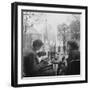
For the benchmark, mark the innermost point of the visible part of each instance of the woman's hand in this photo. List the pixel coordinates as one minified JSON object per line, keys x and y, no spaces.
{"x":55,"y":61}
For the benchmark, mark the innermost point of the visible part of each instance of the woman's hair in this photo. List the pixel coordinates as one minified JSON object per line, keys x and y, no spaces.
{"x":37,"y":44}
{"x":73,"y":45}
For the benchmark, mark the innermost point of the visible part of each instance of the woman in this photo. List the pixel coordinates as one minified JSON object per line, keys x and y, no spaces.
{"x":73,"y":59}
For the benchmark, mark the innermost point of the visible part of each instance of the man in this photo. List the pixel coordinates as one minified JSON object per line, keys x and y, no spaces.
{"x":32,"y":65}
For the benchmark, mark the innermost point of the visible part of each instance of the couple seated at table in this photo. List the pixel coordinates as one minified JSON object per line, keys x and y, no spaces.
{"x":35,"y":65}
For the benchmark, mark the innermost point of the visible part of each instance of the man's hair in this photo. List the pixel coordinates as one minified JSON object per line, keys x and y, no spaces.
{"x":37,"y":44}
{"x":73,"y":45}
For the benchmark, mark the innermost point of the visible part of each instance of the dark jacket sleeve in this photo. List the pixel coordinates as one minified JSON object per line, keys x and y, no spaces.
{"x":28,"y":64}
{"x":31,"y":65}
{"x":73,"y":68}
{"x":73,"y":55}
{"x":73,"y":63}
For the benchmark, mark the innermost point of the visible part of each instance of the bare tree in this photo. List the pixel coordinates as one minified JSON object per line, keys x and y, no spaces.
{"x":75,"y":28}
